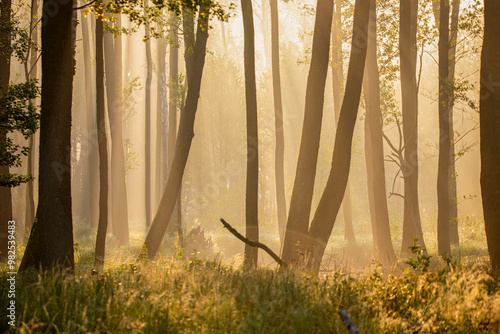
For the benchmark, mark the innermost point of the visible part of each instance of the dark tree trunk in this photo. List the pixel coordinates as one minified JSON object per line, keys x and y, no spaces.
{"x":147,"y":115}
{"x":489,"y":118}
{"x":383,"y":245}
{"x":300,"y":204}
{"x":51,"y":239}
{"x":443,"y":228}
{"x":279,"y":154}
{"x":119,"y":206}
{"x":412,"y":227}
{"x":5,"y":192}
{"x":252,"y":184}
{"x":338,"y":87}
{"x":100,"y":247}
{"x":182,"y":147}
{"x":331,"y":199}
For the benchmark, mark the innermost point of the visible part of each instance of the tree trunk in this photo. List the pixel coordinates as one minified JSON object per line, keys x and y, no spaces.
{"x":489,"y":121}
{"x":383,"y":246}
{"x":100,"y":247}
{"x":119,"y":207}
{"x":331,"y":199}
{"x":300,"y":204}
{"x":279,"y":153}
{"x":452,"y":183}
{"x":443,"y":228}
{"x":161,"y":118}
{"x":338,"y":86}
{"x":182,"y":147}
{"x":5,"y":192}
{"x":51,"y":239}
{"x":412,"y":227}
{"x":252,"y":184}
{"x":147,"y":115}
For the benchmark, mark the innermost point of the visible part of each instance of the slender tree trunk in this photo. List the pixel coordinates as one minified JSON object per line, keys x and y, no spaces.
{"x":51,"y":239}
{"x":300,"y":204}
{"x":5,"y":192}
{"x":331,"y":199}
{"x":489,"y":121}
{"x":383,"y":246}
{"x":100,"y":247}
{"x":223,"y":32}
{"x":454,"y":238}
{"x":443,"y":230}
{"x":183,"y":145}
{"x":338,"y":87}
{"x":147,"y":115}
{"x":252,"y":185}
{"x":279,"y":157}
{"x":412,"y":227}
{"x":161,"y":117}
{"x":32,"y":74}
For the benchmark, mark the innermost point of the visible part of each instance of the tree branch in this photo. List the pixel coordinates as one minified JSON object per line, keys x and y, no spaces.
{"x":347,"y":321}
{"x":254,"y":244}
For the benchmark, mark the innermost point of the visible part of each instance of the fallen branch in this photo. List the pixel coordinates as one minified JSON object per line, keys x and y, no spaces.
{"x":254,"y":243}
{"x":347,"y":322}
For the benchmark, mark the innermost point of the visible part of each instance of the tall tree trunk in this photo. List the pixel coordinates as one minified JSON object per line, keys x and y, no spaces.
{"x":5,"y":192}
{"x":147,"y":115}
{"x":331,"y":199}
{"x":100,"y":247}
{"x":182,"y":147}
{"x":452,"y":183}
{"x":279,"y":153}
{"x":300,"y":204}
{"x":119,"y":207}
{"x":412,"y":227}
{"x":489,"y":122}
{"x":443,"y":228}
{"x":338,"y":87}
{"x":51,"y":239}
{"x":383,"y":245}
{"x":161,"y":117}
{"x":32,"y":74}
{"x":91,"y":188}
{"x":252,"y":185}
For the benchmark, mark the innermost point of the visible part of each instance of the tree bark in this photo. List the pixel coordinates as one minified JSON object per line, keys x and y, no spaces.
{"x":383,"y":245}
{"x":331,"y":199}
{"x":443,"y":228}
{"x":51,"y":239}
{"x":300,"y":204}
{"x":338,"y":87}
{"x":147,"y":115}
{"x":5,"y":192}
{"x":119,"y":206}
{"x":183,"y":145}
{"x":412,"y":227}
{"x":100,"y":247}
{"x":489,"y":121}
{"x":252,"y":183}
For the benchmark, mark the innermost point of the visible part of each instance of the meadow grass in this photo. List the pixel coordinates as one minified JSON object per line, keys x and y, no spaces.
{"x":194,"y":295}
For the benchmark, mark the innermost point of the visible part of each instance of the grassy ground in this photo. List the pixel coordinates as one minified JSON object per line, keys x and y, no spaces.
{"x":191,"y":295}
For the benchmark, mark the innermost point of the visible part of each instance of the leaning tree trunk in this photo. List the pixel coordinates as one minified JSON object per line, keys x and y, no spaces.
{"x":100,"y":247}
{"x":331,"y":199}
{"x":383,"y":244}
{"x":5,"y":192}
{"x":252,"y":184}
{"x":412,"y":227}
{"x":303,"y":188}
{"x":338,"y":87}
{"x":119,"y":206}
{"x":443,"y":198}
{"x":279,"y":154}
{"x":51,"y":239}
{"x":183,"y":145}
{"x":489,"y":122}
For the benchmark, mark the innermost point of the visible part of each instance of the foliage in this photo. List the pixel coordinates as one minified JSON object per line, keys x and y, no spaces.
{"x":17,"y":113}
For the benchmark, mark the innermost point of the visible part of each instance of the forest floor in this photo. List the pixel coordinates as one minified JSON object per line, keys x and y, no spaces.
{"x":178,"y":293}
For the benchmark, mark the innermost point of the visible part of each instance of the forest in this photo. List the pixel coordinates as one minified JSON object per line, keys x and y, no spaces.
{"x":266,"y":166}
